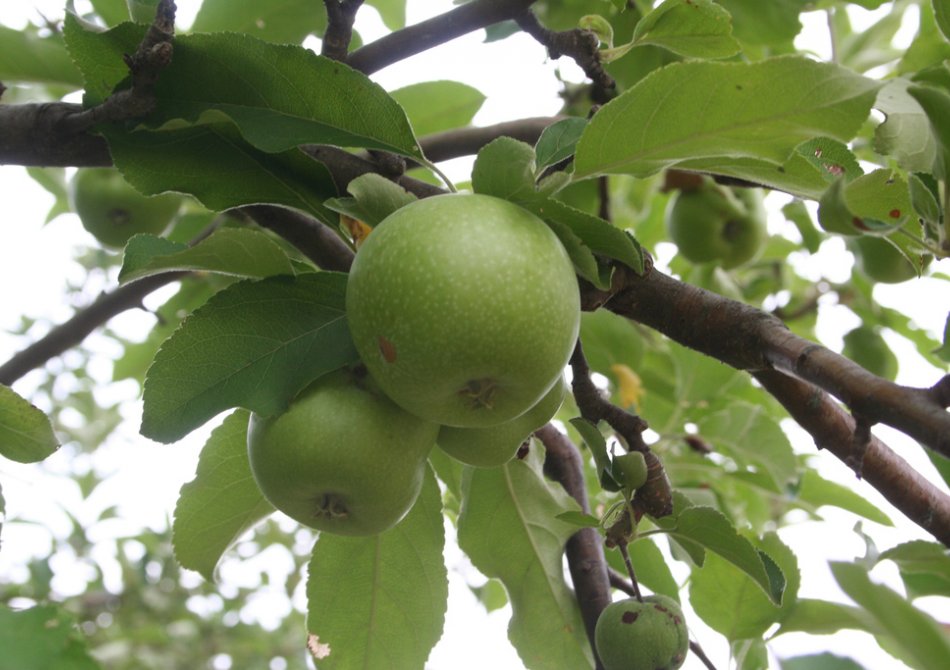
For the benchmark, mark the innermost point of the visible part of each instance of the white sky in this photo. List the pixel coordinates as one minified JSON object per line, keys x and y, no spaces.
{"x":34,"y":259}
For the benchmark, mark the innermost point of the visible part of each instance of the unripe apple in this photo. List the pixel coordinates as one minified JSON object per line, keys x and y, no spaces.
{"x":464,"y":308}
{"x":496,"y":445}
{"x":713,"y":223}
{"x":648,"y":635}
{"x":113,"y":211}
{"x":343,"y":458}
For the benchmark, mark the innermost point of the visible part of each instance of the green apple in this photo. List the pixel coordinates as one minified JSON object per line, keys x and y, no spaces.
{"x":343,"y":458}
{"x":496,"y":445}
{"x":881,"y":261}
{"x":648,"y":635}
{"x":713,"y":223}
{"x":113,"y":211}
{"x":464,"y":308}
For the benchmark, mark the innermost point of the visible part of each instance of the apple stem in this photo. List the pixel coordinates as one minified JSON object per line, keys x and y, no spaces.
{"x":633,"y":575}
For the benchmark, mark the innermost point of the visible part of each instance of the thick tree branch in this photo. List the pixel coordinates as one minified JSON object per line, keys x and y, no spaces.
{"x":42,"y":135}
{"x":584,"y":550}
{"x":340,"y":17}
{"x":749,"y":339}
{"x":833,"y":429}
{"x":423,"y":36}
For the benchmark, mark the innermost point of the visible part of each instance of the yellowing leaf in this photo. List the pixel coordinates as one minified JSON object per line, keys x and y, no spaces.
{"x":358,"y":230}
{"x":631,"y":387}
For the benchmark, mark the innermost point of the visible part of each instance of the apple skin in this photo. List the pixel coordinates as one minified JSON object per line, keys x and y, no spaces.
{"x":651,"y":635}
{"x":113,"y":211}
{"x":343,"y":458}
{"x":496,"y":445}
{"x":714,"y":224}
{"x":882,"y":262}
{"x":464,"y":308}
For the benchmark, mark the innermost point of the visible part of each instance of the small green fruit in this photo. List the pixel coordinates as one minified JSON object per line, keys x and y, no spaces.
{"x":464,"y":308}
{"x":881,"y":261}
{"x":713,"y":223}
{"x":632,"y":470}
{"x":496,"y":445}
{"x":648,"y":635}
{"x":113,"y":211}
{"x":343,"y":458}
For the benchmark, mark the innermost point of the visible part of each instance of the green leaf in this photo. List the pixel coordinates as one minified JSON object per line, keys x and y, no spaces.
{"x":379,"y":601}
{"x":99,"y":55}
{"x":768,"y":23}
{"x":912,"y":636}
{"x":822,"y":617}
{"x":434,"y":106}
{"x":505,"y":168}
{"x":112,"y":11}
{"x":924,"y":566}
{"x":516,"y":503}
{"x":26,"y":435}
{"x":905,"y":133}
{"x":653,"y":571}
{"x":231,"y":251}
{"x":255,"y":345}
{"x":279,"y":96}
{"x":221,"y":503}
{"x":748,"y":434}
{"x":598,"y":448}
{"x":831,"y":159}
{"x":27,"y":57}
{"x":936,"y":104}
{"x":796,"y":212}
{"x":138,"y":355}
{"x":942,"y":14}
{"x":710,"y":529}
{"x":44,"y":636}
{"x":881,"y":198}
{"x":374,"y":198}
{"x":558,"y":141}
{"x":815,"y":491}
{"x":731,"y":603}
{"x":287,"y":21}
{"x":823,"y":661}
{"x":219,"y":169}
{"x":601,"y":236}
{"x":717,"y":114}
{"x":691,"y":28}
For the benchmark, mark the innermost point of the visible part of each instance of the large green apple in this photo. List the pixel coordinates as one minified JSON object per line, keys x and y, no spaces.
{"x":113,"y":211}
{"x":648,"y":635}
{"x":496,"y":445}
{"x":343,"y":458}
{"x":715,"y":223}
{"x":465,"y":308}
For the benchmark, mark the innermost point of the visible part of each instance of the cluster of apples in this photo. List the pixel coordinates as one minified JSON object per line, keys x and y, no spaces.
{"x":464,"y":310}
